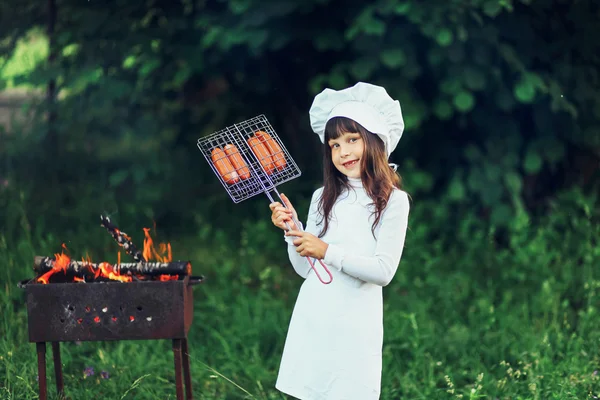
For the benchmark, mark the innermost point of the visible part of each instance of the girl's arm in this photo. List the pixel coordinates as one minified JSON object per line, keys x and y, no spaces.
{"x":380,"y":268}
{"x":300,"y":263}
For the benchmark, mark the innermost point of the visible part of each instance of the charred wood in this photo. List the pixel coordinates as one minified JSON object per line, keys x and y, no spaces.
{"x":122,"y":239}
{"x":41,"y":265}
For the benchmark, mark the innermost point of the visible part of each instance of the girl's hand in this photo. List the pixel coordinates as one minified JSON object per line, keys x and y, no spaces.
{"x":280,"y":214}
{"x":308,"y":245}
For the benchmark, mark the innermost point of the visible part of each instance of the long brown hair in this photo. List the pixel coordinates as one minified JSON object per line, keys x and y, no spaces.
{"x":378,"y":178}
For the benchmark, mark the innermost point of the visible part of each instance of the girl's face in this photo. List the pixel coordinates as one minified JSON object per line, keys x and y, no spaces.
{"x":346,"y":153}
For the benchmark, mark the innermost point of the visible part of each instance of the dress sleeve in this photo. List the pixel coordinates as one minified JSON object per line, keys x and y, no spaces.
{"x":380,"y":268}
{"x":300,"y":264}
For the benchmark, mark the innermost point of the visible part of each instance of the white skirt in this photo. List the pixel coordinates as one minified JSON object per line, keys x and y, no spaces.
{"x":333,"y":346}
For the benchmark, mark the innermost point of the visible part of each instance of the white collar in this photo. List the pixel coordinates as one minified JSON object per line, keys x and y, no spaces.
{"x":355,"y":182}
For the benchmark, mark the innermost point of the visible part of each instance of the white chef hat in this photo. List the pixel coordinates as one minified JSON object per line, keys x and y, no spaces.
{"x":367,"y":104}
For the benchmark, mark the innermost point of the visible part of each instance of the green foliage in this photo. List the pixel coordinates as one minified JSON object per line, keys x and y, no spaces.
{"x":137,"y":91}
{"x":472,"y":312}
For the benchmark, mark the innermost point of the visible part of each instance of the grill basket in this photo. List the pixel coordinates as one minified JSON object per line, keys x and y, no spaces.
{"x":259,"y":181}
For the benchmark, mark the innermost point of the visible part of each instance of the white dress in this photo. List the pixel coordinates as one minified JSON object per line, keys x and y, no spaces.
{"x":333,"y":349}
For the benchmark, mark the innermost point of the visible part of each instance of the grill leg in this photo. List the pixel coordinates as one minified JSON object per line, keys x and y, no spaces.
{"x":41,"y":355}
{"x":177,"y":358}
{"x":186,"y":370}
{"x":60,"y":389}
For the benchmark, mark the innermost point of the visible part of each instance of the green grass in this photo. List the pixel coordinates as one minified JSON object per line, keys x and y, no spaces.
{"x":464,"y":319}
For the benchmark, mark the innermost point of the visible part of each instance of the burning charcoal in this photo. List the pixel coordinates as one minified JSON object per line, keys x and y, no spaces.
{"x":122,"y":272}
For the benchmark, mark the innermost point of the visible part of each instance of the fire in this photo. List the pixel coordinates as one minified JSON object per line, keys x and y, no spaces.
{"x":107,"y":271}
{"x":112,"y":271}
{"x":150,"y":253}
{"x":61,"y":263}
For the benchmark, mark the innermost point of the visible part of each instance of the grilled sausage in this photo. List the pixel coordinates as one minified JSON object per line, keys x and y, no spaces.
{"x":263,"y":155}
{"x":274,"y":149}
{"x":223,"y":166}
{"x":237,"y":161}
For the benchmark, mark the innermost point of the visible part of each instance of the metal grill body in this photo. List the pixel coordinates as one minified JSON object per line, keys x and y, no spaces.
{"x":109,"y":311}
{"x":64,"y":312}
{"x":259,"y":181}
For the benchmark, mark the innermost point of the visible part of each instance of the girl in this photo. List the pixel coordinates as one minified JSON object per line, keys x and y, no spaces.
{"x":356,"y":225}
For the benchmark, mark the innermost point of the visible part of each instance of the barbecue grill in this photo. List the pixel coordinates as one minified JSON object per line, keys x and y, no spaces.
{"x":71,"y":302}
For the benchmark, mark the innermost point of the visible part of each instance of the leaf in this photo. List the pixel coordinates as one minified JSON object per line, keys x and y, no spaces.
{"x":501,"y":215}
{"x":182,"y":75}
{"x":366,"y":22}
{"x":533,"y":162}
{"x":491,"y":193}
{"x":492,"y":8}
{"x":363,"y":68}
{"x":524,"y":91}
{"x":375,"y":27}
{"x":69,"y":50}
{"x":149,"y":66}
{"x":316,"y":84}
{"x":211,"y":36}
{"x":476,"y":179}
{"x":239,"y":6}
{"x":456,"y":190}
{"x":118,"y":177}
{"x":450,"y":86}
{"x":403,"y":8}
{"x":444,"y":37}
{"x":337,"y":80}
{"x":464,"y":101}
{"x":393,"y":58}
{"x":493,"y":172}
{"x":513,"y":182}
{"x":129,"y":62}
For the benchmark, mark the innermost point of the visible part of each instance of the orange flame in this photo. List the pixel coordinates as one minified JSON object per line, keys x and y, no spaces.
{"x":107,"y":270}
{"x":61,"y":262}
{"x":150,"y":253}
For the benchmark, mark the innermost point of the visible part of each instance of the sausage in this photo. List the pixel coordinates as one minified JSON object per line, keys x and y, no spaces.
{"x":237,"y":161}
{"x":274,"y":149}
{"x":263,"y":155}
{"x":223,"y":166}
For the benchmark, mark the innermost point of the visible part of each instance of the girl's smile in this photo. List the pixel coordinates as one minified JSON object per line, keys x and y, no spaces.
{"x":346,"y":153}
